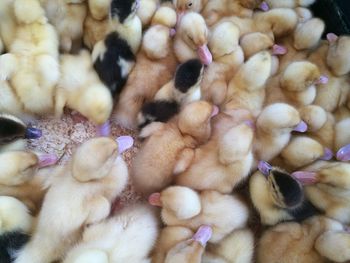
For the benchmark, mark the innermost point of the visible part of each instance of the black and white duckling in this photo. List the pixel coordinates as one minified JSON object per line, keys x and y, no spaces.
{"x":114,"y":57}
{"x":183,"y":89}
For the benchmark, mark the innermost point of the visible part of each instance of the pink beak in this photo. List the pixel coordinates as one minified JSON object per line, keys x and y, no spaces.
{"x":304,"y":177}
{"x":124,"y":143}
{"x":179,"y":14}
{"x":215,"y":111}
{"x":301,"y":127}
{"x":279,"y":50}
{"x":104,"y":129}
{"x":204,"y":55}
{"x":47,"y":160}
{"x":203,"y":235}
{"x":331,"y":37}
{"x":154,"y":199}
{"x":322,"y":80}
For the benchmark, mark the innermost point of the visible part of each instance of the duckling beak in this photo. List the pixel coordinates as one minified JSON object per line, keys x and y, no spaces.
{"x":104,"y":129}
{"x":301,"y":127}
{"x":124,"y":143}
{"x":305,"y":177}
{"x":332,"y":38}
{"x":179,"y":15}
{"x":215,"y":111}
{"x":264,"y":168}
{"x":32,"y":133}
{"x":343,"y":153}
{"x":47,"y":159}
{"x":322,"y":80}
{"x":154,"y":199}
{"x":264,"y":6}
{"x":328,"y":155}
{"x":204,"y":55}
{"x":279,"y":50}
{"x":203,"y":235}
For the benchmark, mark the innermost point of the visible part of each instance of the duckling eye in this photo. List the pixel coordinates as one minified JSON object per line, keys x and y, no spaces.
{"x":189,"y":5}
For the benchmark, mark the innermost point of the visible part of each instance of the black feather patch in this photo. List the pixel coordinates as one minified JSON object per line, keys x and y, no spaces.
{"x":159,"y":110}
{"x":304,"y":211}
{"x":10,"y":243}
{"x":107,"y":68}
{"x":10,"y":130}
{"x":187,"y":74}
{"x":290,"y":189}
{"x":121,"y":9}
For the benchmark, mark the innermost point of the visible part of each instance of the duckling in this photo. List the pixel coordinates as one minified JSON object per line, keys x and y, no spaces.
{"x":213,"y":205}
{"x":245,"y":91}
{"x":334,"y":245}
{"x":94,"y":30}
{"x":168,"y":238}
{"x":169,"y":99}
{"x":160,"y":62}
{"x":277,"y":196}
{"x":214,"y":10}
{"x":14,"y":132}
{"x":32,"y":65}
{"x":274,"y":126}
{"x":236,"y":247}
{"x":21,"y":178}
{"x":183,"y":7}
{"x":329,"y":57}
{"x":114,"y":57}
{"x":342,"y":139}
{"x":327,"y":187}
{"x":99,"y":8}
{"x":80,"y":193}
{"x":227,"y":58}
{"x":146,"y":11}
{"x":68,"y":19}
{"x":8,"y":24}
{"x":16,"y":225}
{"x":166,"y":16}
{"x":136,"y":223}
{"x":302,"y":151}
{"x":153,"y":166}
{"x":223,"y":162}
{"x":81,"y":89}
{"x":191,"y":39}
{"x":294,"y":242}
{"x":191,"y":250}
{"x":289,"y":3}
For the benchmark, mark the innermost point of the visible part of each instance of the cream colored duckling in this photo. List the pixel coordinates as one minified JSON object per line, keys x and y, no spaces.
{"x":223,"y":162}
{"x":289,"y":3}
{"x":273,"y":130}
{"x":168,"y":238}
{"x":32,"y":65}
{"x":334,"y":245}
{"x":80,"y":193}
{"x":16,"y":225}
{"x":111,"y":239}
{"x":146,"y":11}
{"x":156,"y":62}
{"x":215,"y":10}
{"x":246,"y":90}
{"x":68,"y":19}
{"x":237,"y":247}
{"x":191,"y":250}
{"x":213,"y":205}
{"x":302,"y":151}
{"x":191,"y":39}
{"x":21,"y":178}
{"x":277,"y":196}
{"x":8,"y":24}
{"x":327,"y":187}
{"x":153,"y":166}
{"x":342,"y":139}
{"x":294,"y":242}
{"x":330,"y":58}
{"x":80,"y":89}
{"x":227,"y":57}
{"x":166,"y":16}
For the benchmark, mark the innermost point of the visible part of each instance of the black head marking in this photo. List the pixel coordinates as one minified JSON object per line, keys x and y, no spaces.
{"x":304,"y":211}
{"x":10,"y":130}
{"x":107,"y":68}
{"x":159,"y":110}
{"x":121,"y":9}
{"x":290,"y":189}
{"x":10,"y":243}
{"x":187,"y":74}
